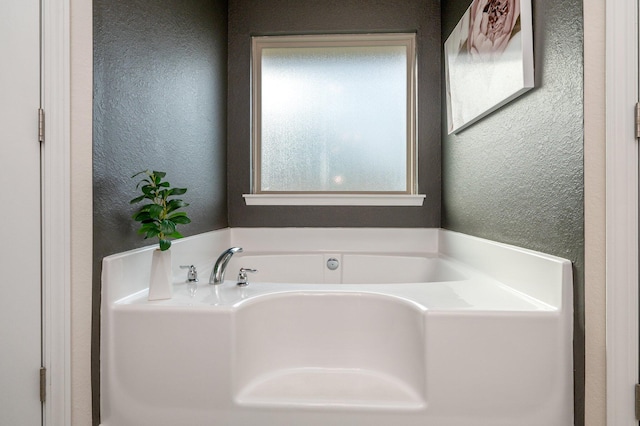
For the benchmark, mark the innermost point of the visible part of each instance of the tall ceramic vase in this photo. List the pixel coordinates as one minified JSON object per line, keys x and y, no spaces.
{"x":160,"y":285}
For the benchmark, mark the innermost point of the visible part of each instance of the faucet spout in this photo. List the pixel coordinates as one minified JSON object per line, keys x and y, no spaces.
{"x":217,"y":275}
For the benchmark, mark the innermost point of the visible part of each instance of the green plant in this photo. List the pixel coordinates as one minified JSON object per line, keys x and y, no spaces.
{"x":159,"y":218}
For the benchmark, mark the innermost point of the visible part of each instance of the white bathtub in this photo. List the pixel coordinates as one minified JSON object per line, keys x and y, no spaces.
{"x":414,"y":327}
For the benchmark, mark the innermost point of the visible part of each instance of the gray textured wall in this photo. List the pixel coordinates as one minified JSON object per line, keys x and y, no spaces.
{"x":160,"y":93}
{"x":517,"y":175}
{"x":259,"y":17}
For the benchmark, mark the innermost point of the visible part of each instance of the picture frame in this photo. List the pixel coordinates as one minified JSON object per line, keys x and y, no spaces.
{"x":488,"y":60}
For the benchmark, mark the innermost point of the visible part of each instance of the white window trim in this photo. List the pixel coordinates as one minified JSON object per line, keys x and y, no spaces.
{"x":408,"y":198}
{"x":333,"y":200}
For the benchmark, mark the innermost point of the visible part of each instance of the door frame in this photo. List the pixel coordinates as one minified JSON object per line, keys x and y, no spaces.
{"x":56,"y":207}
{"x":621,"y":210}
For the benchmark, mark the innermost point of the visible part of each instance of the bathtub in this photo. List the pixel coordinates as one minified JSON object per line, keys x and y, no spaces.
{"x":407,"y":327}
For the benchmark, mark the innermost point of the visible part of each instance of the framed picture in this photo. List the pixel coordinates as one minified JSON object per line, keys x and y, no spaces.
{"x":488,"y":60}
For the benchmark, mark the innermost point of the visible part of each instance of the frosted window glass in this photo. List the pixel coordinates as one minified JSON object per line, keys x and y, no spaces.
{"x":334,"y":119}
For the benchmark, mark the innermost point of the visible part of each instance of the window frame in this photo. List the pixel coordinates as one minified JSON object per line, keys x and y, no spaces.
{"x":258,"y":43}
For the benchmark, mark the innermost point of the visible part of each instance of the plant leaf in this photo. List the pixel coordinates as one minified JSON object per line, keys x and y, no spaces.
{"x":175,"y":205}
{"x":139,"y":173}
{"x":176,"y":214}
{"x":182,"y":220}
{"x":167,"y":227}
{"x":153,"y":232}
{"x":144,"y":208}
{"x":141,"y":216}
{"x":148,"y":190}
{"x":175,"y":235}
{"x":164,"y":245}
{"x":155,"y":210}
{"x":137,"y":199}
{"x":177,"y":191}
{"x":157,"y":177}
{"x":143,"y":181}
{"x":146,"y":226}
{"x":163,"y":193}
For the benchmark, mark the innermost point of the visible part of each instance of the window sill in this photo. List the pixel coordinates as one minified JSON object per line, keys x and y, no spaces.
{"x":333,"y":200}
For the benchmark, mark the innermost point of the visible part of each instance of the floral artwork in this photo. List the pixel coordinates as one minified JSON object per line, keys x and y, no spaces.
{"x":488,"y":60}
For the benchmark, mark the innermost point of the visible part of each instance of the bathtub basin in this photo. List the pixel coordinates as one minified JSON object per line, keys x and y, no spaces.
{"x":369,"y":352}
{"x":438,"y":328}
{"x":353,"y":268}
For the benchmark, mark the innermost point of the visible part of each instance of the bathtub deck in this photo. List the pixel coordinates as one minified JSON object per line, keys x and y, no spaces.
{"x":468,"y":295}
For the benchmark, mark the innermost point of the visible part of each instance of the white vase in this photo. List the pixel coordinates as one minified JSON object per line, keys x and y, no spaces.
{"x":160,"y":284}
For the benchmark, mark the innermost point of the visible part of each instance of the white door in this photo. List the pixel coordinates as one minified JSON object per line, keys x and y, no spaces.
{"x":20,"y":248}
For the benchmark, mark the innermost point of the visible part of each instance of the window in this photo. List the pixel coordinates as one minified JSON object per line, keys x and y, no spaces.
{"x":334,"y":116}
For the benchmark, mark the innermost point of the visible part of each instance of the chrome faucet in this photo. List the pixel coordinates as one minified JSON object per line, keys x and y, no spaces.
{"x":217,"y":275}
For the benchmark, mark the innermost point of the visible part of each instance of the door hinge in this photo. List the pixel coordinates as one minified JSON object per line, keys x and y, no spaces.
{"x":43,"y":384}
{"x":638,"y":402}
{"x":637,"y":130}
{"x":40,"y":125}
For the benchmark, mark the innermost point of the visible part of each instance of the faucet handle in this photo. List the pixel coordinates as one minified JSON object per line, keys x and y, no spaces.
{"x":192,"y":273}
{"x":242,"y":276}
